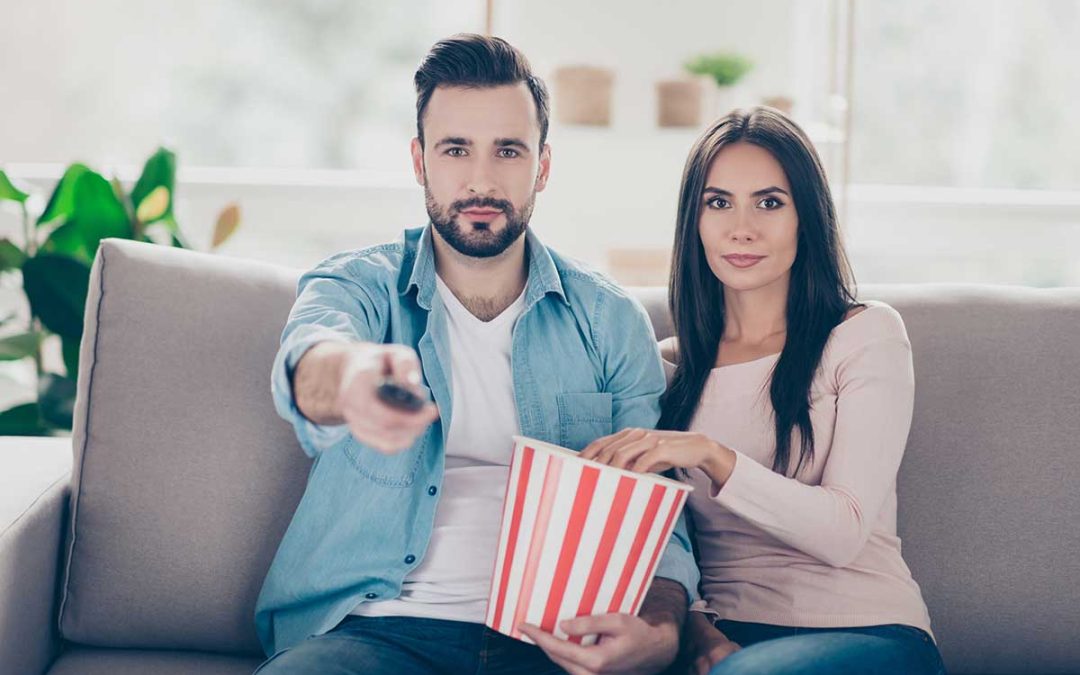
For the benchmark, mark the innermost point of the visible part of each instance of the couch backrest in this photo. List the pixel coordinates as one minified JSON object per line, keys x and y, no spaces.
{"x":989,"y":508}
{"x":185,"y":478}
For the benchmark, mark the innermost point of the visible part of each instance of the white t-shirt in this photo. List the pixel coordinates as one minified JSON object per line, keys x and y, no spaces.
{"x":453,"y":580}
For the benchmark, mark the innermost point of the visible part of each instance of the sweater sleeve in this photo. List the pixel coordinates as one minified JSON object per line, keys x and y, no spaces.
{"x":832,"y":521}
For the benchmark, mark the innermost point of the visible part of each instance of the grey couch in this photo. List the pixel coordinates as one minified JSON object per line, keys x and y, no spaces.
{"x":143,"y":550}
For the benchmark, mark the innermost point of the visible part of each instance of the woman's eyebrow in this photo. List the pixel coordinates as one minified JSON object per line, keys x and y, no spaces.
{"x":759,"y":193}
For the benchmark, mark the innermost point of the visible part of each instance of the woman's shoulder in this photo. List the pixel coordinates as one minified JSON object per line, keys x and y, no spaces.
{"x":870,"y":322}
{"x":669,"y":350}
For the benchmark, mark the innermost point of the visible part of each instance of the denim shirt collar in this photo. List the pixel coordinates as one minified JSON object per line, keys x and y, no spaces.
{"x":543,"y":276}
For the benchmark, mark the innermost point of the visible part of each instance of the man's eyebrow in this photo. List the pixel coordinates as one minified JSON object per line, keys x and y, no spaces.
{"x":759,"y":193}
{"x":454,"y":140}
{"x":512,"y":143}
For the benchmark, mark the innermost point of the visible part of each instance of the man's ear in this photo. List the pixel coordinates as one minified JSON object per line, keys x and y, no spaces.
{"x":418,"y":161}
{"x":545,"y":167}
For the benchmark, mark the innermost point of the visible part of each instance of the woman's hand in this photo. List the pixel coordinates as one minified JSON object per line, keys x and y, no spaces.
{"x":649,"y":450}
{"x":706,"y":645}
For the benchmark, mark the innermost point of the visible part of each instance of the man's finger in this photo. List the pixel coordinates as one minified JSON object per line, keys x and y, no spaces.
{"x":403,"y":366}
{"x":701,"y":665}
{"x":600,"y":624}
{"x":573,"y":654}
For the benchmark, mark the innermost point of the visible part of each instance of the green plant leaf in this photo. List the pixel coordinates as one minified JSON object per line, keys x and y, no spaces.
{"x":723,"y":67}
{"x":70,"y":349}
{"x":11,"y":256}
{"x":159,"y":171}
{"x":56,"y":286}
{"x":95,"y":214}
{"x":56,"y":399}
{"x":62,"y":201}
{"x":20,"y":345}
{"x":23,"y":420}
{"x":9,"y":192}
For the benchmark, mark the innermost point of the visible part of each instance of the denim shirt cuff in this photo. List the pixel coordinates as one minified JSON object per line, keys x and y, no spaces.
{"x":314,"y":438}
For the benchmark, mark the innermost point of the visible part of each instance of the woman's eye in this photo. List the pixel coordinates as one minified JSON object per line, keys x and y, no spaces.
{"x":771,"y":203}
{"x":718,"y":203}
{"x":508,"y":153}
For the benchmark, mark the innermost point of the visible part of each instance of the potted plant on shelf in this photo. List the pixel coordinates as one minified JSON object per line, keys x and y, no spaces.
{"x":54,"y":260}
{"x":725,"y":70}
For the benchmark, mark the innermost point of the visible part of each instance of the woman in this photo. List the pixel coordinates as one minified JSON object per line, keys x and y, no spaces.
{"x":788,"y":410}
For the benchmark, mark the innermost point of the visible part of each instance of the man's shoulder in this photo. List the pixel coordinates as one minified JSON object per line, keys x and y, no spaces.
{"x":581,"y":278}
{"x":590,"y":288}
{"x":381,"y":262}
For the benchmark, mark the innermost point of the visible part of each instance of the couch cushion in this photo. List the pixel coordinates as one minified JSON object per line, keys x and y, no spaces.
{"x":185,"y":478}
{"x":93,"y":661}
{"x":988,"y":504}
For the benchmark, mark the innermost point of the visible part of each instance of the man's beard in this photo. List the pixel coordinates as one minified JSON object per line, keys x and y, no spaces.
{"x":482,"y":241}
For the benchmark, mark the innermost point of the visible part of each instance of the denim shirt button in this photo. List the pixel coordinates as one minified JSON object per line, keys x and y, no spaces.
{"x":410,"y":559}
{"x":371,"y":596}
{"x":432,"y":490}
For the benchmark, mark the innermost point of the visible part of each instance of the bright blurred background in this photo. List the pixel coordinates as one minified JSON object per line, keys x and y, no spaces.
{"x":949,"y":129}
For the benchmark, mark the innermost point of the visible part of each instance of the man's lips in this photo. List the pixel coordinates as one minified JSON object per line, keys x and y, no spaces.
{"x":477,"y":216}
{"x":742,"y":260}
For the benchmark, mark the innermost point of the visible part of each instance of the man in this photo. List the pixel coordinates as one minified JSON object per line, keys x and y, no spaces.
{"x":387,"y":563}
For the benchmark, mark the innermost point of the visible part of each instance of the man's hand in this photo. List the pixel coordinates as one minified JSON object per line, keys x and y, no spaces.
{"x":371,"y":421}
{"x":627,"y":644}
{"x":705,"y":644}
{"x":335,"y":383}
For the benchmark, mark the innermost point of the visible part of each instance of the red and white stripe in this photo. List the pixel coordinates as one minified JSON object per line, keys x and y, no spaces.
{"x":577,"y":539}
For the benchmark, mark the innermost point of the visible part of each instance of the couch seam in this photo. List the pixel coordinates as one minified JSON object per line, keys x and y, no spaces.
{"x":30,"y":507}
{"x":77,"y":492}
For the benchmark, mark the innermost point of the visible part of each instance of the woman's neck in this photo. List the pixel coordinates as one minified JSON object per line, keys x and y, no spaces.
{"x":755,"y":316}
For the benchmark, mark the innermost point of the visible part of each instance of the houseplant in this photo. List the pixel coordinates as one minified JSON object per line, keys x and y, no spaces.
{"x":725,"y":70}
{"x":54,"y":259}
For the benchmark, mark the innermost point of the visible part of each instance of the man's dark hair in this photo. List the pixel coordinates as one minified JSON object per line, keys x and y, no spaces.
{"x":470,"y":60}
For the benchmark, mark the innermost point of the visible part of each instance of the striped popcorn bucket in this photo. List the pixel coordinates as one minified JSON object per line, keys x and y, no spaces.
{"x":578,"y":538}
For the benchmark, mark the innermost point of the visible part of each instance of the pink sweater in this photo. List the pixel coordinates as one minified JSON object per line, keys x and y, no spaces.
{"x":819,"y":550}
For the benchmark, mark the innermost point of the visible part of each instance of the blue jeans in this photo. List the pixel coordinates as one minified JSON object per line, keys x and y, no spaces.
{"x":782,"y":650}
{"x":406,"y":646}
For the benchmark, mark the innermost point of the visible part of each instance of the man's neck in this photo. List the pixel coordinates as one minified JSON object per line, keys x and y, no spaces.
{"x":485,"y":286}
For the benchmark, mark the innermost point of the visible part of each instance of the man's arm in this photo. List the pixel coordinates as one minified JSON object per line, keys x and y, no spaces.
{"x":636,"y":380}
{"x":326,"y":369}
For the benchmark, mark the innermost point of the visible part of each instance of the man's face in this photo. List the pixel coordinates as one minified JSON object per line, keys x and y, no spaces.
{"x":481,"y":165}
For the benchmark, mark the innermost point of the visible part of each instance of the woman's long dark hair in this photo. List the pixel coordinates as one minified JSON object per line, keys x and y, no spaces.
{"x":820,"y":294}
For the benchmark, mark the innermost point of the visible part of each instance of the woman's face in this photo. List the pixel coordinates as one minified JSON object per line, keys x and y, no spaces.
{"x":748,"y":222}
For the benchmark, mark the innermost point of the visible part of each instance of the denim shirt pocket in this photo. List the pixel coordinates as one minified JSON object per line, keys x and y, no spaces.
{"x":389,"y":470}
{"x":583,"y":418}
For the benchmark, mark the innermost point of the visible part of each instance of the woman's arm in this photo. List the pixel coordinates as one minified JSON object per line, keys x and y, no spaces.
{"x":832,"y":521}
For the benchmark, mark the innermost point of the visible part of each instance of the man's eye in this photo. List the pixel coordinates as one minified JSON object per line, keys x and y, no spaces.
{"x":456,"y":152}
{"x":771,"y":203}
{"x":508,"y":153}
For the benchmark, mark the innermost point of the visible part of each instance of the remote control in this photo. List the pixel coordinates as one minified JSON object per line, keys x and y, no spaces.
{"x":396,"y":396}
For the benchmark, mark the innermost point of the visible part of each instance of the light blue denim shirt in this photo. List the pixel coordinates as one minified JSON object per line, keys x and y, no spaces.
{"x":585,"y":364}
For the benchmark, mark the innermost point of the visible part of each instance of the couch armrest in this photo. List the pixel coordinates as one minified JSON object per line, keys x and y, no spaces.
{"x":35,"y":478}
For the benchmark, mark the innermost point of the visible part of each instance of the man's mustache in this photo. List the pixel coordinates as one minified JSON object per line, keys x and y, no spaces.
{"x":482,"y":203}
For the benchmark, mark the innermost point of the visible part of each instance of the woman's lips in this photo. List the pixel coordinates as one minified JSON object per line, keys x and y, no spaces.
{"x":743,"y":261}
